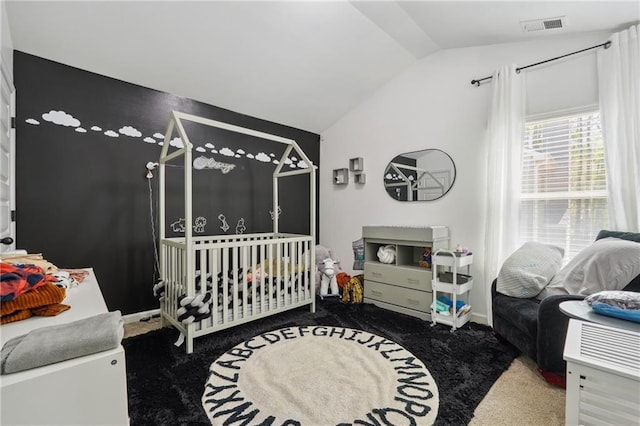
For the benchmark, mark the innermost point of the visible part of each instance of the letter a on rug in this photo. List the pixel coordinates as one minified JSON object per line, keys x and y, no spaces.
{"x":320,"y":375}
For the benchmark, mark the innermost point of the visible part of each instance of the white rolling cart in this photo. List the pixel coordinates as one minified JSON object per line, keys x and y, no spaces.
{"x":449,"y":281}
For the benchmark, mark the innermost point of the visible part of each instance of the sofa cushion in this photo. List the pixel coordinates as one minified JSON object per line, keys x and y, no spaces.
{"x":529,"y":269}
{"x":607,"y":264}
{"x":520,"y":313}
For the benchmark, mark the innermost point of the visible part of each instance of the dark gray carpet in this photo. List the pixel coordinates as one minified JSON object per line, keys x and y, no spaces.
{"x":165,"y":384}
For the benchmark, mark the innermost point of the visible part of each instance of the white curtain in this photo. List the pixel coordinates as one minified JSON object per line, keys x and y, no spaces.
{"x":619,"y":90}
{"x":504,"y":145}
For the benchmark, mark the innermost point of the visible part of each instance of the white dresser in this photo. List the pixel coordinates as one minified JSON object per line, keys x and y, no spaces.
{"x":90,"y":390}
{"x":402,"y":285}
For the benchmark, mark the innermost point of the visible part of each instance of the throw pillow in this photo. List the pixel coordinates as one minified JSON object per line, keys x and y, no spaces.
{"x":529,"y":269}
{"x":607,"y":264}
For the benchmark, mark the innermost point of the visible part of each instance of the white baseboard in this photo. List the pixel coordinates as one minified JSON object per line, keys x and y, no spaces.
{"x":479,"y":318}
{"x":135,"y":317}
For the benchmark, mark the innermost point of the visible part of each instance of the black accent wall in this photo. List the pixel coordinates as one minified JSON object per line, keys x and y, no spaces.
{"x":82,"y":196}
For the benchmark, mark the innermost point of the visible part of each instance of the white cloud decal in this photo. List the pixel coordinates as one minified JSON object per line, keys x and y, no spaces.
{"x":201,"y":149}
{"x":130,"y":131}
{"x":209,"y":145}
{"x":240,"y":151}
{"x":161,"y":143}
{"x":287,"y":161}
{"x":158,"y":135}
{"x":177,"y":142}
{"x":61,"y":118}
{"x":96,"y":128}
{"x":81,"y":130}
{"x":32,"y":121}
{"x":263,"y":157}
{"x":111,"y":134}
{"x":227,"y":152}
{"x":250,"y":156}
{"x":275,"y":162}
{"x":272,"y":154}
{"x":214,"y":151}
{"x":303,"y":165}
{"x":149,"y":140}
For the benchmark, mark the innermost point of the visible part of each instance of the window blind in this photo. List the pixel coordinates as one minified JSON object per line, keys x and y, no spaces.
{"x":563,"y":194}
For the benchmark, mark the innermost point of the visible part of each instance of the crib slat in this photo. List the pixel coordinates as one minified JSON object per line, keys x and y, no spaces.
{"x":213,"y":259}
{"x":234,"y":281}
{"x":225,"y":288}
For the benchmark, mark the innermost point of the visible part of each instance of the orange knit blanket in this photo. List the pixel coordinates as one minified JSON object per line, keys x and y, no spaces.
{"x":43,"y":301}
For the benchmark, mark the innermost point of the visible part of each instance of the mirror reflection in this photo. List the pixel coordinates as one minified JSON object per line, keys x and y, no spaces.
{"x":420,"y":175}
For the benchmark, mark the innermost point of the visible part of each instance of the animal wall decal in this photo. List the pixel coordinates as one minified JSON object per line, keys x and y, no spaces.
{"x":240,"y":227}
{"x":276,"y":214}
{"x":225,"y":226}
{"x":178,"y":225}
{"x":199,"y":224}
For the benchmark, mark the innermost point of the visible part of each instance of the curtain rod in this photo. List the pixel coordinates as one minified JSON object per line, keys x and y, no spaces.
{"x":605,"y":45}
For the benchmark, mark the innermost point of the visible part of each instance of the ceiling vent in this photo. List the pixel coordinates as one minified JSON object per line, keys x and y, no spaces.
{"x":544,"y":24}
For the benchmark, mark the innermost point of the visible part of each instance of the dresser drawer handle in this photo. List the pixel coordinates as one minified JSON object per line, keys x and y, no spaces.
{"x":376,"y":274}
{"x":413,"y":281}
{"x":376,"y":293}
{"x":413,"y":302}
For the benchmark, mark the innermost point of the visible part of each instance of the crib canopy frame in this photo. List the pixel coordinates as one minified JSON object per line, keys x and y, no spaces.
{"x":176,"y":123}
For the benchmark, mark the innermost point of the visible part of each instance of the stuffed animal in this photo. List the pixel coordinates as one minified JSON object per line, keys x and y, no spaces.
{"x":329,"y":279}
{"x":353,"y":291}
{"x":323,"y":253}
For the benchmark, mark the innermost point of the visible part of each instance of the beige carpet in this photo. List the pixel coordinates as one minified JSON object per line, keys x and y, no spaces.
{"x":519,"y":397}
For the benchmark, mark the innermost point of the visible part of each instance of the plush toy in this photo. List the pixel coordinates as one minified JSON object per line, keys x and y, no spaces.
{"x":353,"y":291}
{"x":323,"y":253}
{"x":329,"y":279}
{"x":342,"y":278}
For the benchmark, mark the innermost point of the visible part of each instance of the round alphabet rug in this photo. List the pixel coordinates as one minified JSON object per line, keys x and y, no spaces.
{"x":319,"y":375}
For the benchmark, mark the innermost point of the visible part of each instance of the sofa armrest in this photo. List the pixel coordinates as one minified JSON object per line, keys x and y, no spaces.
{"x":552,"y":332}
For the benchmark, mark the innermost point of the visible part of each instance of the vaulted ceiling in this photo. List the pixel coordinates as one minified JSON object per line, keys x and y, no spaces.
{"x":300,"y":63}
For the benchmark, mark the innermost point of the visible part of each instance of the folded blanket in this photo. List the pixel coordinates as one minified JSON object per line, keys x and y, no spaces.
{"x":27,"y":303}
{"x":30,"y":259}
{"x":18,"y":279}
{"x":48,"y":345}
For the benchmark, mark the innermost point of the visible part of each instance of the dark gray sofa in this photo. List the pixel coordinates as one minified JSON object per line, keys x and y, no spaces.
{"x":538,"y":328}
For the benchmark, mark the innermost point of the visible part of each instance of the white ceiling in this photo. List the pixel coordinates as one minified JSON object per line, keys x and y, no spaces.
{"x":300,"y":63}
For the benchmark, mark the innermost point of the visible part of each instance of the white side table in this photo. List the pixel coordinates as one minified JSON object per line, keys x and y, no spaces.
{"x":579,"y":309}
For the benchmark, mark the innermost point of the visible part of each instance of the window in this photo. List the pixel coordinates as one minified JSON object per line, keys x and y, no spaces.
{"x":563,"y":197}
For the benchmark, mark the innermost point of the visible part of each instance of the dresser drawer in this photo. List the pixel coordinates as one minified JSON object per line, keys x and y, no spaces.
{"x":413,"y":278}
{"x":400,"y":296}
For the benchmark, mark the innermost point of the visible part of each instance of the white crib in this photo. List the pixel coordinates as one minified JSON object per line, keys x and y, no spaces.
{"x":247,"y":276}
